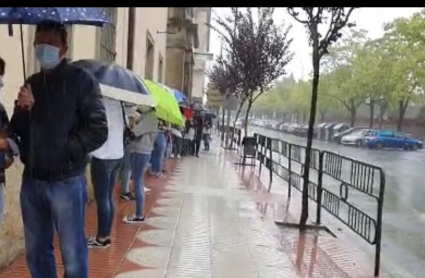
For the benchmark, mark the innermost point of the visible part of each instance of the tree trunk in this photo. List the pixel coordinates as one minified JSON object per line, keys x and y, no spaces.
{"x":371,"y":113}
{"x":322,"y":116}
{"x":353,"y":113}
{"x":229,"y":113}
{"x":246,"y":117}
{"x":381,"y":120}
{"x":222,"y":123}
{"x":402,"y":106}
{"x":236,"y":119}
{"x":310,"y":131}
{"x":383,"y":105}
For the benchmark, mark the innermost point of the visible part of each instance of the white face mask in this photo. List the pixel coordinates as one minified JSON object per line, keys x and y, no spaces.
{"x":1,"y":82}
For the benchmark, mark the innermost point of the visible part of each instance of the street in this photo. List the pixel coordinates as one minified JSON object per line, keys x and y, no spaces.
{"x":403,"y":249}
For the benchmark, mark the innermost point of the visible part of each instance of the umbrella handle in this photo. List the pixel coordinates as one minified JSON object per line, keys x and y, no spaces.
{"x":23,"y":51}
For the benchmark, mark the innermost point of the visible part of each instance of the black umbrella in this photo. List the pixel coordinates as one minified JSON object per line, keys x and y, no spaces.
{"x":197,"y":106}
{"x":208,"y":115}
{"x":118,"y":82}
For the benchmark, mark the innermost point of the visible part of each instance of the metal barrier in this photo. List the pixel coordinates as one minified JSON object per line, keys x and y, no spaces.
{"x":336,"y":183}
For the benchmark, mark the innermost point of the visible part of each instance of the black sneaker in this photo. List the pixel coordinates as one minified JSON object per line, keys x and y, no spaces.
{"x":127,"y":196}
{"x":132,"y":219}
{"x":96,"y":243}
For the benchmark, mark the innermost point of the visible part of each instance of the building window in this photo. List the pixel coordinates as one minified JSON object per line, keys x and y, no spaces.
{"x":160,"y":69}
{"x":149,"y":59}
{"x":107,"y":46}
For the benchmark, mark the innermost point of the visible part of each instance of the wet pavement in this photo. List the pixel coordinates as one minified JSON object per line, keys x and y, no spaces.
{"x":404,"y":209}
{"x":210,"y":218}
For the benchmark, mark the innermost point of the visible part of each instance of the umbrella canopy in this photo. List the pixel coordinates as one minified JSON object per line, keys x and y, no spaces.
{"x":166,"y":105}
{"x":68,"y":15}
{"x":208,"y":115}
{"x":180,"y":97}
{"x":176,"y":132}
{"x":197,"y":106}
{"x":118,"y":82}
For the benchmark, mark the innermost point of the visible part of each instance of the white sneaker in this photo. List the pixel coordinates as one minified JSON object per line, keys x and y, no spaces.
{"x":147,"y":189}
{"x":179,"y":156}
{"x":172,"y":155}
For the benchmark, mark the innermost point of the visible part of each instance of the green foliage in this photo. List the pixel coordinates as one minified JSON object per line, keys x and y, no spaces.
{"x":387,"y":74}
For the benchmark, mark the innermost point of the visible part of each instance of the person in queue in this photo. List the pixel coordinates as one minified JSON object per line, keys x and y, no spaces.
{"x":59,"y":121}
{"x":206,"y":134}
{"x":145,"y":131}
{"x":159,"y":150}
{"x":6,"y":159}
{"x":105,"y":165}
{"x":199,"y":127}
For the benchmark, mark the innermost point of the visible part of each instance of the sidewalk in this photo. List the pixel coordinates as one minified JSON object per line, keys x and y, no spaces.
{"x":203,"y":222}
{"x":104,"y":263}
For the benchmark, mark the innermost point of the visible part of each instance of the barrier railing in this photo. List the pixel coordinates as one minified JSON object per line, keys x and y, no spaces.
{"x":350,"y":190}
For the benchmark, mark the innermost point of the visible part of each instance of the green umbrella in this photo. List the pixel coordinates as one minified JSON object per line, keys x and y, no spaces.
{"x":166,"y":104}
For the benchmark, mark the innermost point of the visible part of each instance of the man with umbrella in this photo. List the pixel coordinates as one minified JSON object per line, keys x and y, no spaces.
{"x":59,"y":121}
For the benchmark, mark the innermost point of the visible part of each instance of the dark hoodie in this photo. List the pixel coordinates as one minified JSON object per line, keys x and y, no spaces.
{"x":66,"y":123}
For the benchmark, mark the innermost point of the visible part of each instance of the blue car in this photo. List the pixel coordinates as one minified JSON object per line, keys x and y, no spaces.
{"x":378,"y":139}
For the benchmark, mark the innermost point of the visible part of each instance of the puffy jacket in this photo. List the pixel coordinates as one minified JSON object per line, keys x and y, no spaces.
{"x":66,"y":123}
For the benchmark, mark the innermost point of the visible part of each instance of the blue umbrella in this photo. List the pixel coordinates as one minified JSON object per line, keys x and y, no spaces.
{"x":66,"y":15}
{"x":180,"y":97}
{"x":118,"y":82}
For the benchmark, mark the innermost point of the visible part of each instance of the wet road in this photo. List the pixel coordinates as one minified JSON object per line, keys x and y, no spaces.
{"x":403,"y":251}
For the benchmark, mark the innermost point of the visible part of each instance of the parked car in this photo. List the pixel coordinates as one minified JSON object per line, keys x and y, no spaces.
{"x":378,"y":139}
{"x":356,"y":138}
{"x":291,"y":128}
{"x":301,"y":130}
{"x":321,"y":131}
{"x":285,"y":127}
{"x":337,"y":136}
{"x":329,"y":131}
{"x":341,"y":127}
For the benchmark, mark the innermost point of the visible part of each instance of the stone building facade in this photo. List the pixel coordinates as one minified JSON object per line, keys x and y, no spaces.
{"x":201,"y":55}
{"x":144,"y":26}
{"x":182,"y":38}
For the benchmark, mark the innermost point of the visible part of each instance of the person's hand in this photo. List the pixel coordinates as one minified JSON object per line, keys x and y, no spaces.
{"x":25,"y":97}
{"x":4,"y":144}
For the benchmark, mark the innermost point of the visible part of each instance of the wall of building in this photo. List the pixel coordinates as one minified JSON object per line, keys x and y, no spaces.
{"x":151,"y":20}
{"x":84,"y":44}
{"x":180,"y":41}
{"x":203,"y":19}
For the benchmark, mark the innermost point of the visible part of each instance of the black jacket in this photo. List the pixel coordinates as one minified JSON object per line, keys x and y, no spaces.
{"x":66,"y":123}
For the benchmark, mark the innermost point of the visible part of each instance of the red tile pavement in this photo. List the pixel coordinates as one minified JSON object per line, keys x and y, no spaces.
{"x":106,"y":262}
{"x":315,"y":254}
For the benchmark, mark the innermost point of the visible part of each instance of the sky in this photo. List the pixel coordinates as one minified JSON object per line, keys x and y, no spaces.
{"x":370,"y":19}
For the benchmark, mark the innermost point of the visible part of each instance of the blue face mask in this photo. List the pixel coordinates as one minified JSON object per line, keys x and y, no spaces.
{"x":48,"y":55}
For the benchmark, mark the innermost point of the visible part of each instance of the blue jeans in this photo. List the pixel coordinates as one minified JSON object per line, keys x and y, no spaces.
{"x":206,"y":138}
{"x":139,"y":165}
{"x":104,"y":175}
{"x":126,"y":172}
{"x":177,"y":145}
{"x":158,"y":153}
{"x":59,"y":205}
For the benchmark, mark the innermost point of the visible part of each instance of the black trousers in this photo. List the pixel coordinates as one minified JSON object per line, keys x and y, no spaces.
{"x":197,"y":145}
